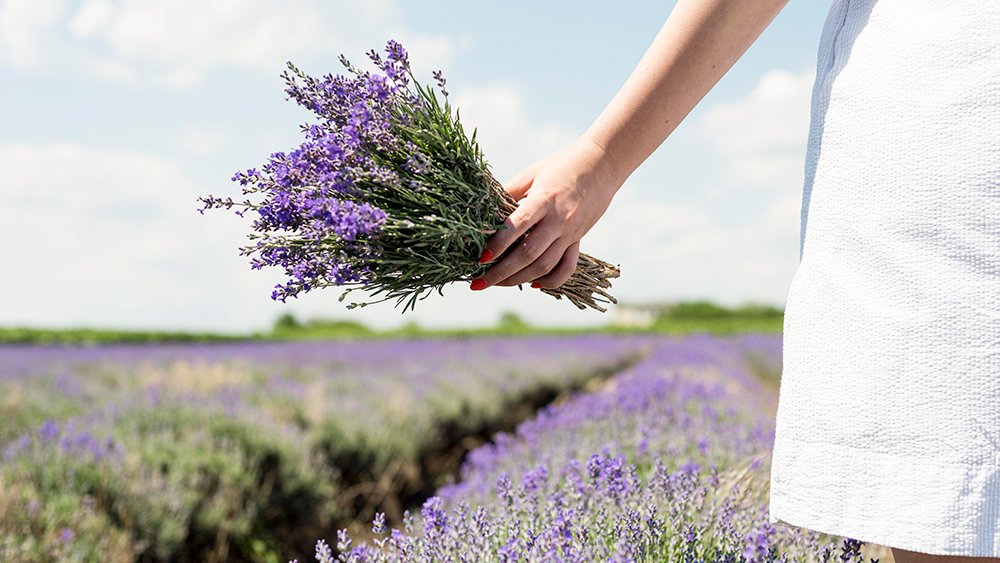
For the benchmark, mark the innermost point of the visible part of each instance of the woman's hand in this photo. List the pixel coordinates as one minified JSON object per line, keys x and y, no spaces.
{"x":559,"y":199}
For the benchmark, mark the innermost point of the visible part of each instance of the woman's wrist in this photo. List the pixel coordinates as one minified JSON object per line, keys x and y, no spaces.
{"x":608,"y":171}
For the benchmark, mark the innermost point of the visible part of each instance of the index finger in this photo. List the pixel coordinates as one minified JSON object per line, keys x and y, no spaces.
{"x":523,"y":218}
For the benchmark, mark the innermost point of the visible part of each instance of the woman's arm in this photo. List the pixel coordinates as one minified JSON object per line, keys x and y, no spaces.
{"x":565,"y":193}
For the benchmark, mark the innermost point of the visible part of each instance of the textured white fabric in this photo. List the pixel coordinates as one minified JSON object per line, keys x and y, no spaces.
{"x":889,"y":412}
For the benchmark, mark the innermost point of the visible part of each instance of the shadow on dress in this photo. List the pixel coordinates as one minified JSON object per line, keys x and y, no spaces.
{"x":836,"y":43}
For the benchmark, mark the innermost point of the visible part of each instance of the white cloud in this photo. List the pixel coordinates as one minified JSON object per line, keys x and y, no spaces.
{"x":92,"y":18}
{"x":202,"y":140}
{"x":102,"y":237}
{"x":114,"y":71}
{"x":510,"y":139}
{"x":24,"y":27}
{"x":429,"y":52}
{"x":676,"y":252}
{"x":763,"y":136}
{"x":177,"y":44}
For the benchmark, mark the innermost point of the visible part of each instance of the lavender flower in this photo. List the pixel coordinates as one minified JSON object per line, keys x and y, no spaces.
{"x":67,"y":535}
{"x":49,"y":430}
{"x":378,"y":525}
{"x":758,"y":544}
{"x":323,"y":553}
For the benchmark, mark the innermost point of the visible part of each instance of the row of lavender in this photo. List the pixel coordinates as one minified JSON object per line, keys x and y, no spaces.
{"x":247,"y":452}
{"x":668,"y":462}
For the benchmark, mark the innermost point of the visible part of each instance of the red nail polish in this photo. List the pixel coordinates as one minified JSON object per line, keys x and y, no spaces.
{"x":477,"y":284}
{"x":487,"y":255}
{"x":536,"y":285}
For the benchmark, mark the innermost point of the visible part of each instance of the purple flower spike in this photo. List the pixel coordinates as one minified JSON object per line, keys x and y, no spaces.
{"x":49,"y":430}
{"x":378,"y":525}
{"x":758,"y":544}
{"x":323,"y":552}
{"x":434,"y":516}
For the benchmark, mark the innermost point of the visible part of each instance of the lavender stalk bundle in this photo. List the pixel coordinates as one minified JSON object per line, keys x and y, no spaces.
{"x":386,"y":193}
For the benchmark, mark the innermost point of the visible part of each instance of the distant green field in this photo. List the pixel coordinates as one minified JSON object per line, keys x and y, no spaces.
{"x":87,"y":336}
{"x":702,"y":316}
{"x":676,"y":319}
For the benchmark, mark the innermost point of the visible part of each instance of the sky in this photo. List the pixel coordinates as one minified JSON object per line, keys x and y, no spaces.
{"x":116,"y":115}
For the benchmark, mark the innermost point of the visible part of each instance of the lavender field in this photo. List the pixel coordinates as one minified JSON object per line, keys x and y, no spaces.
{"x":655,"y":449}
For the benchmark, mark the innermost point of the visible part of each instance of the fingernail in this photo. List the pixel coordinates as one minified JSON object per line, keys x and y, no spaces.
{"x":477,"y":284}
{"x":487,"y":255}
{"x":536,"y":285}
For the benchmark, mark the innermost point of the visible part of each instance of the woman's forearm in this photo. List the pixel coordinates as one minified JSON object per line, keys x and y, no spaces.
{"x":699,"y":42}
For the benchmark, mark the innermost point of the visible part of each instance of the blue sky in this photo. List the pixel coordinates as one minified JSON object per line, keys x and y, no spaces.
{"x":117,"y":114}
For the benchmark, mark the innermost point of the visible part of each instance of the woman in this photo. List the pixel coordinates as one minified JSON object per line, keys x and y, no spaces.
{"x":889,"y":412}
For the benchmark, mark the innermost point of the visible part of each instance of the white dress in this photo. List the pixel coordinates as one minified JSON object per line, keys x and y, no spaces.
{"x":889,"y":413}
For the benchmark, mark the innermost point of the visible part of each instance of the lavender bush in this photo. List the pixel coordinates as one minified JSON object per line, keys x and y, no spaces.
{"x":386,"y":193}
{"x":249,"y":452}
{"x":666,"y":463}
{"x":246,"y":451}
{"x":691,"y":400}
{"x":163,"y":475}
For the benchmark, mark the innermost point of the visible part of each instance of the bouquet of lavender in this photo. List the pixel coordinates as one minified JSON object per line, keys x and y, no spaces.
{"x":386,"y":193}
